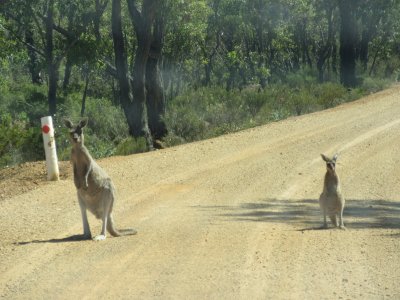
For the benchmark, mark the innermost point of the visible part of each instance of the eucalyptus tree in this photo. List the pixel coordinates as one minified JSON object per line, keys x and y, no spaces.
{"x":186,"y":44}
{"x":52,"y":29}
{"x":348,"y":41}
{"x":326,"y":24}
{"x":379,"y":31}
{"x":132,"y":84}
{"x":155,"y":96}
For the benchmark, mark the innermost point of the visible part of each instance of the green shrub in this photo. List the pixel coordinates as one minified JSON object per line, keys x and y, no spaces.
{"x":302,"y":78}
{"x":209,"y":112}
{"x":194,"y":115}
{"x":19,"y":142}
{"x":107,"y":125}
{"x":30,"y":99}
{"x":186,"y":123}
{"x":330,"y":94}
{"x":254,"y":101}
{"x":107,"y":121}
{"x":99,"y":147}
{"x":373,"y":85}
{"x":172,"y":139}
{"x":301,"y":101}
{"x":131,"y":146}
{"x":354,"y":94}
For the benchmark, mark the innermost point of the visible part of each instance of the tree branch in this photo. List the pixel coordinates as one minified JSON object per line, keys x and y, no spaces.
{"x":110,"y":69}
{"x":101,"y":6}
{"x":41,"y":33}
{"x":136,"y":16}
{"x":63,"y":31}
{"x":21,"y":40}
{"x":65,"y":52}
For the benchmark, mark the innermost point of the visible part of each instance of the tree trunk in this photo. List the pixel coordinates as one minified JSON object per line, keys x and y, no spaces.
{"x":67,"y":72}
{"x":83,"y":108}
{"x":155,"y":91}
{"x":334,"y":58}
{"x":100,"y":7}
{"x":380,"y":47}
{"x":320,"y":68}
{"x":305,"y":43}
{"x":132,"y":88}
{"x":325,"y":50}
{"x":139,"y":113}
{"x":207,"y":72}
{"x":70,"y":36}
{"x":121,"y":64}
{"x":33,"y":61}
{"x":52,"y":68}
{"x":142,"y":22}
{"x":347,"y":44}
{"x":231,"y":79}
{"x":52,"y":94}
{"x":363,"y":55}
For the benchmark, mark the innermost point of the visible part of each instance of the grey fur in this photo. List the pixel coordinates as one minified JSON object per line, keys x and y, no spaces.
{"x":96,"y":191}
{"x":331,"y":200}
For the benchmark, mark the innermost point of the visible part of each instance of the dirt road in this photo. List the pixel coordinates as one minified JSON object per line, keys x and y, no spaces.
{"x":228,"y":218}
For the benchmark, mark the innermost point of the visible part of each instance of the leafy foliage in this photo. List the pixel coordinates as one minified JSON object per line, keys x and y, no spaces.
{"x":131,"y":146}
{"x":226,"y":65}
{"x":209,"y":112}
{"x":18,"y":141}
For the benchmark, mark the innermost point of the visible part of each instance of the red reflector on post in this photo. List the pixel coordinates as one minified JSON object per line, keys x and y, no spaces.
{"x":46,"y":129}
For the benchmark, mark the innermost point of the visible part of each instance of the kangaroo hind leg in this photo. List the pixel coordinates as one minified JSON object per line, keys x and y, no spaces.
{"x":324,"y":213}
{"x":341,"y":224}
{"x":105,"y":202}
{"x":334,"y":220}
{"x":86,"y":229}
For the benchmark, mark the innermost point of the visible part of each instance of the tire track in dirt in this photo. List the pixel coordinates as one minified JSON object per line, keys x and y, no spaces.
{"x":296,"y":260}
{"x":187,"y":181}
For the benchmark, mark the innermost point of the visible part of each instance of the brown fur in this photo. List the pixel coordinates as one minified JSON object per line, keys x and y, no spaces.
{"x":96,"y":191}
{"x":331,"y":200}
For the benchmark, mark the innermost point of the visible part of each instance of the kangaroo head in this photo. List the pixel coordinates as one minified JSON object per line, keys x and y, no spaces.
{"x":75,"y":131}
{"x":330,"y":162}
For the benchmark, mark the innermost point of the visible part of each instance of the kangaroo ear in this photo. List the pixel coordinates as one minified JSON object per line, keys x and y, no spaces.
{"x":325,"y":158}
{"x":83,"y":122}
{"x":68,"y":123}
{"x":335,"y":157}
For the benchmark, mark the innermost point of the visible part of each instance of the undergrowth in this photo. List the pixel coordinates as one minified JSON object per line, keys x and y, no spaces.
{"x":195,"y":115}
{"x":212,"y":111}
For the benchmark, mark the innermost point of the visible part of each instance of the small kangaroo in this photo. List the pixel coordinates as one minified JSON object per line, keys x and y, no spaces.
{"x":95,"y":189}
{"x":331,"y":200}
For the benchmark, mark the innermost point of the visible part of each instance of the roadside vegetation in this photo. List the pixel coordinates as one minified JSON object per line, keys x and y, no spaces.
{"x":194,"y":115}
{"x":212,"y":67}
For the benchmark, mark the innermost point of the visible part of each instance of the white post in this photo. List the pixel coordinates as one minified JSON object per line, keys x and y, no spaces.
{"x":49,"y":144}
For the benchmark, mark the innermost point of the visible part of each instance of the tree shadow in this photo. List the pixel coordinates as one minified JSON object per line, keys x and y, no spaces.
{"x":358,"y":214}
{"x":68,"y":239}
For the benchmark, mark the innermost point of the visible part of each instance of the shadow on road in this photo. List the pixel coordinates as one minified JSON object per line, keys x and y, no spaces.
{"x":72,"y":238}
{"x":358,"y":214}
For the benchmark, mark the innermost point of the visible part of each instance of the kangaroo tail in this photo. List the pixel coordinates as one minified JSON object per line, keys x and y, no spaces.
{"x":118,"y":232}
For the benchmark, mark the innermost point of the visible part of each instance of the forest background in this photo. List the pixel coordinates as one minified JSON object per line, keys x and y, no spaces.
{"x":151,"y":74}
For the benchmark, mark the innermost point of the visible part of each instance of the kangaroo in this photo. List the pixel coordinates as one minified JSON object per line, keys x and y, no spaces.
{"x":96,"y":191}
{"x":331,"y":200}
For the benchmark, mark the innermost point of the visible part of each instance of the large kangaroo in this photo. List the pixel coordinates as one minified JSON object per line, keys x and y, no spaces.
{"x":331,"y":200}
{"x":96,"y":191}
